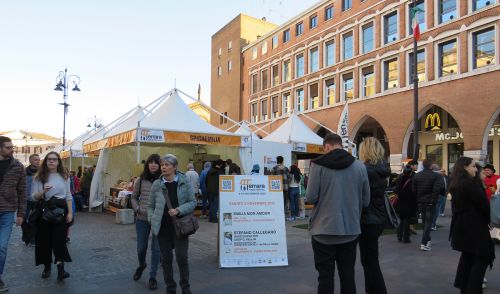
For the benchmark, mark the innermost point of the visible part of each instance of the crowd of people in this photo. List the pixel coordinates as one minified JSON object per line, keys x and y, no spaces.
{"x":349,"y":198}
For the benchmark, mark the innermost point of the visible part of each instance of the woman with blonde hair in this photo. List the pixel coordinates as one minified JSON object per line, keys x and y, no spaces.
{"x":373,"y":217}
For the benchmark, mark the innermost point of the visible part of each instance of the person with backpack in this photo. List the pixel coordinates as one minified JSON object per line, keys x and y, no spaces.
{"x":406,"y":204}
{"x":281,"y":170}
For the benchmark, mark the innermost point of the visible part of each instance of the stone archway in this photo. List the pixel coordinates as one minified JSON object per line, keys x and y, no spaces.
{"x":368,"y":126}
{"x":491,"y":140}
{"x":440,"y":137}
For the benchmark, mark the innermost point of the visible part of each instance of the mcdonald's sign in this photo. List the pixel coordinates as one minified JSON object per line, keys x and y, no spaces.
{"x":432,"y":120}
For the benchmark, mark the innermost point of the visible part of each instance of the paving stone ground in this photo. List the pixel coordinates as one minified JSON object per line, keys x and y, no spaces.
{"x":104,"y":260}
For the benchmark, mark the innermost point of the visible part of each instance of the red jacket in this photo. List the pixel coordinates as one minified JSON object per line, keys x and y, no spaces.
{"x":491,"y":185}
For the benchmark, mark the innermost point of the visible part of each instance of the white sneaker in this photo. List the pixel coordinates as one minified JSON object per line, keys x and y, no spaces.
{"x":434,"y":229}
{"x":485,"y":280}
{"x":442,"y":214}
{"x":484,"y":285}
{"x":425,"y":247}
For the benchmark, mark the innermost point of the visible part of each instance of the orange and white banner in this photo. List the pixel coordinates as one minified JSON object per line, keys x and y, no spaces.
{"x":313,"y":148}
{"x":121,"y":139}
{"x":203,"y":139}
{"x":94,"y":146}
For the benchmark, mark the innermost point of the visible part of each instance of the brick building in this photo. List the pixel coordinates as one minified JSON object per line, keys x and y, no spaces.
{"x":361,"y":51}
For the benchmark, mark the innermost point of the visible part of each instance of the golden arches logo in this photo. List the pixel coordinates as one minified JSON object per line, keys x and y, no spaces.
{"x":434,"y":119}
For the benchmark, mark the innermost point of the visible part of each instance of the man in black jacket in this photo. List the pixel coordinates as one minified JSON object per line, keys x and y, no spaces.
{"x":212,"y":186}
{"x":426,"y":186}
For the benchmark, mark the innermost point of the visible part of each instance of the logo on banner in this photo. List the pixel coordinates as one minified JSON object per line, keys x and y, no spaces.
{"x":227,"y":184}
{"x":246,"y":185}
{"x":152,"y":136}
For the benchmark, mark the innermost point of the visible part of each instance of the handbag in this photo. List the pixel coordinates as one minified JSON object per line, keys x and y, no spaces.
{"x":495,"y":210}
{"x":185,"y":225}
{"x":53,"y":214}
{"x":392,"y":219}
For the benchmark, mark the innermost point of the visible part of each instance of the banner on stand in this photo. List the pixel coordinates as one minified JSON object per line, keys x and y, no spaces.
{"x":252,"y":222}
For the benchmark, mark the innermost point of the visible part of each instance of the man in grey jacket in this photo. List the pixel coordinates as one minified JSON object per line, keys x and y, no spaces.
{"x":339,"y":189}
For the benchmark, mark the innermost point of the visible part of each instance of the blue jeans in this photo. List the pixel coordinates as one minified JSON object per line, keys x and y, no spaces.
{"x":293,"y":196}
{"x":427,"y":211}
{"x":439,"y":209}
{"x":143,"y":228}
{"x":6,"y":223}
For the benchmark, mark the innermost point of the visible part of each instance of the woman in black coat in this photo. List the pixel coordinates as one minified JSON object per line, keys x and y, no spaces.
{"x":373,"y":217}
{"x":469,"y":232}
{"x":406,"y":205}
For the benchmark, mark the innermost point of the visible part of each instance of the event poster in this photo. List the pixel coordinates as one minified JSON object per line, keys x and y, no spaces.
{"x":252,"y":225}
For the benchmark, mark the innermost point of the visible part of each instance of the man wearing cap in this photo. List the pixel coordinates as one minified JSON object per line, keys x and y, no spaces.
{"x":490,"y":180}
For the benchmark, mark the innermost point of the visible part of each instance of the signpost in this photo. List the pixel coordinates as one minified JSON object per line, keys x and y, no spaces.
{"x":252,"y":222}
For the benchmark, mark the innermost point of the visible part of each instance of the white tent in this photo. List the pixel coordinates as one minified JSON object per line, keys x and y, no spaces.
{"x":296,"y":133}
{"x":167,"y":125}
{"x":261,"y":152}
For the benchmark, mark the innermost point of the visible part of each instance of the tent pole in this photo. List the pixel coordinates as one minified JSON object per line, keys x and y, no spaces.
{"x":70,"y":158}
{"x":138,"y":148}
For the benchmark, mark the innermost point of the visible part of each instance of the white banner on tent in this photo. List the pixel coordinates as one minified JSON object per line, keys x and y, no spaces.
{"x":252,"y":230}
{"x":299,"y":147}
{"x":343,"y":128}
{"x":151,"y":136}
{"x":246,"y":142}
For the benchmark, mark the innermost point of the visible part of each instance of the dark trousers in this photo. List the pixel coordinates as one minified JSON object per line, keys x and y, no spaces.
{"x":181,"y":256}
{"x":427,"y":211}
{"x":51,"y":238}
{"x":325,"y":258}
{"x":368,"y":250}
{"x":404,"y":230}
{"x":204,"y":203}
{"x":214,"y":206}
{"x":470,"y":273}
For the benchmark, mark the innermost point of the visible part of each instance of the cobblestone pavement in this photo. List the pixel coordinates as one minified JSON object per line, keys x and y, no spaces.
{"x":104,"y":260}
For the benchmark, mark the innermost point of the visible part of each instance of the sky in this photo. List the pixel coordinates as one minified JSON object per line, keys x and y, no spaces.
{"x":125,"y":53}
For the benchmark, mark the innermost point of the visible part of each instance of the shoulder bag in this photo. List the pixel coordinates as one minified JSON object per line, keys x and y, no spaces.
{"x":392,"y":220}
{"x":185,"y":225}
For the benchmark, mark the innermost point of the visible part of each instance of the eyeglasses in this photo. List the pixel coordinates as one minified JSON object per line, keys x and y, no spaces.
{"x":52,"y":159}
{"x":8,"y":147}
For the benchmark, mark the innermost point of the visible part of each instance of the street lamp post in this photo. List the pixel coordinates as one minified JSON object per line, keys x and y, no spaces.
{"x":62,"y":85}
{"x":94,"y":122}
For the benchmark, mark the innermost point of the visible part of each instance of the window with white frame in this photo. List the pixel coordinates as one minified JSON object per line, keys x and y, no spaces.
{"x":447,"y":58}
{"x":287,"y":103}
{"x":299,"y":65}
{"x":313,"y":59}
{"x":329,"y":92}
{"x":299,"y":100}
{"x":254,"y":113}
{"x":286,"y":35}
{"x":447,"y":10}
{"x":329,"y":12}
{"x":313,"y":96}
{"x":420,"y":66}
{"x":346,"y":4}
{"x":348,"y":46}
{"x":274,"y":41}
{"x":329,"y":53}
{"x":420,"y":4}
{"x":368,"y":78}
{"x":391,"y":74}
{"x":275,"y":107}
{"x":479,"y":4}
{"x":347,"y":86}
{"x":275,"y":73}
{"x":367,"y":35}
{"x":299,"y":29}
{"x":287,"y":74}
{"x":219,"y":52}
{"x":229,"y":65}
{"x":483,"y":48}
{"x":263,"y":110}
{"x":313,"y":21}
{"x":254,"y":53}
{"x":219,"y":71}
{"x":390,"y":27}
{"x":229,"y":46}
{"x":264,"y":77}
{"x":254,"y":83}
{"x":264,"y":48}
